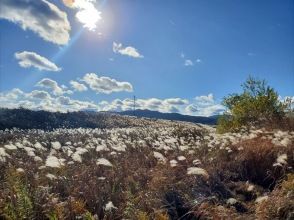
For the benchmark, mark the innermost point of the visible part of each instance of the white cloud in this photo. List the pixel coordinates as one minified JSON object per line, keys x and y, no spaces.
{"x":162,"y":105}
{"x":41,"y":16}
{"x":214,"y":109}
{"x":41,"y":100}
{"x":128,"y":51}
{"x":75,"y":105}
{"x":179,"y":105}
{"x":53,"y":86}
{"x":191,"y":109}
{"x":87,"y":13}
{"x":289,"y":100}
{"x":204,"y":105}
{"x":205,"y":100}
{"x":78,"y":86}
{"x":31,"y":59}
{"x":198,"y":60}
{"x":176,"y":101}
{"x":14,"y":94}
{"x":189,"y":63}
{"x":39,"y":94}
{"x":105,"y":84}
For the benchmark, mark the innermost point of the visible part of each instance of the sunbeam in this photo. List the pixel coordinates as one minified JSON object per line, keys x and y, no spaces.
{"x":37,"y":75}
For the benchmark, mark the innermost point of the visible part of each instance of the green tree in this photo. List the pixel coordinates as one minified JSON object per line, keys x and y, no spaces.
{"x":257,"y":105}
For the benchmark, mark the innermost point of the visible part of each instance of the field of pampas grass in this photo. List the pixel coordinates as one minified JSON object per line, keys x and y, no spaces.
{"x":151,"y":169}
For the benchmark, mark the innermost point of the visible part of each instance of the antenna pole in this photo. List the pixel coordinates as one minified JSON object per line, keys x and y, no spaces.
{"x":134,"y":107}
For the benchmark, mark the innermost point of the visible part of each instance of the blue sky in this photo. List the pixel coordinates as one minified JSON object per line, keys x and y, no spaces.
{"x":174,"y":55}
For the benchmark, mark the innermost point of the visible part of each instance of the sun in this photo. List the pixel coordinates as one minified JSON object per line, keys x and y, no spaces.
{"x":87,"y":13}
{"x":89,"y":17}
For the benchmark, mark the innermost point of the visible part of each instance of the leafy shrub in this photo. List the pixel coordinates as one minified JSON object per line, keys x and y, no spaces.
{"x":258,"y":104}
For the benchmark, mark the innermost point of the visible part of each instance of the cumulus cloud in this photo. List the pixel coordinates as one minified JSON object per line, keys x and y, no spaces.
{"x":288,"y":100}
{"x":105,"y":84}
{"x":41,"y":17}
{"x":189,"y":63}
{"x":205,"y":99}
{"x":87,"y":13}
{"x":41,"y":100}
{"x":53,"y":86}
{"x":128,"y":51}
{"x":155,"y":104}
{"x":14,"y":93}
{"x":176,"y":101}
{"x":204,"y":105}
{"x":78,"y":86}
{"x":37,"y":94}
{"x":214,"y":109}
{"x":191,"y":109}
{"x":31,"y":59}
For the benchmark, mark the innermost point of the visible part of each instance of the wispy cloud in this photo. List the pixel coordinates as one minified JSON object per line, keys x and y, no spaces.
{"x":128,"y":51}
{"x":31,"y":59}
{"x":42,"y":17}
{"x":103,"y":84}
{"x":189,"y":63}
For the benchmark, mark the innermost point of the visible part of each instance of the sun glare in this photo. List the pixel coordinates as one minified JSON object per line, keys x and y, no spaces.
{"x":89,"y":17}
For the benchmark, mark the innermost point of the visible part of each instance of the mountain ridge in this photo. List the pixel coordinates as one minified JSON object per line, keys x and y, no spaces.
{"x":40,"y":119}
{"x":210,"y":120}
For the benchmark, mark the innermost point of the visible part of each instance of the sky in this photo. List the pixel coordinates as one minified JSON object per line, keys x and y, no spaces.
{"x":173,"y":55}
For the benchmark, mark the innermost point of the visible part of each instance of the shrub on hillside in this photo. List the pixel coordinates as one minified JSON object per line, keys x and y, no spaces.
{"x":258,"y":104}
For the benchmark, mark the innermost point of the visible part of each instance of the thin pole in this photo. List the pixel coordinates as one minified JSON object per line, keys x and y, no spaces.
{"x":134,"y":107}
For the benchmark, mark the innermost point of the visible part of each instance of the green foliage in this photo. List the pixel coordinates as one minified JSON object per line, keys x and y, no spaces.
{"x":52,"y":216}
{"x":256,"y":105}
{"x":88,"y":216}
{"x":19,"y":204}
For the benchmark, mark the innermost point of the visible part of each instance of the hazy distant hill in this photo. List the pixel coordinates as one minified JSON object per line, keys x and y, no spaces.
{"x":28,"y":119}
{"x":172,"y":116}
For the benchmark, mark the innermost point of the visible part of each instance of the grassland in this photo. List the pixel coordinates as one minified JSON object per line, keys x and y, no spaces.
{"x":146,"y":169}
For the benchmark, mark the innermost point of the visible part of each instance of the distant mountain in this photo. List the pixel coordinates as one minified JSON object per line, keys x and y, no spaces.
{"x":171,"y":116}
{"x":28,"y":119}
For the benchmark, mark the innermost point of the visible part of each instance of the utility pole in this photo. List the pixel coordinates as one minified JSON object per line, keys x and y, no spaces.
{"x":134,"y":107}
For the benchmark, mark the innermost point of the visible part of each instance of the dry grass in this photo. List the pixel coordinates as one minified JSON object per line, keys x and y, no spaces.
{"x":142,"y":187}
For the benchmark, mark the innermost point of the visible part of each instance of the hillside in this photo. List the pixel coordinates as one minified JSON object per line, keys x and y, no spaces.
{"x":28,"y":119}
{"x":171,"y":116}
{"x":145,"y":169}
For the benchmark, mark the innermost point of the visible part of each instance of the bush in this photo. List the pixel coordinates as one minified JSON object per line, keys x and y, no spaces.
{"x":257,"y":105}
{"x":283,"y":206}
